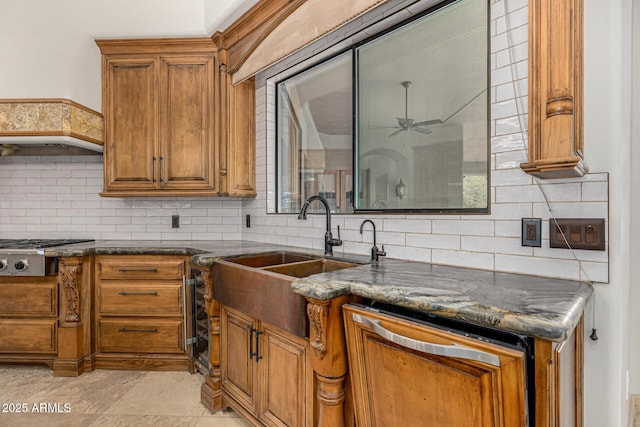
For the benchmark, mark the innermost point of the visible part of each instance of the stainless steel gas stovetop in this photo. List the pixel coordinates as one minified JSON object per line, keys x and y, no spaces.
{"x":25,"y":257}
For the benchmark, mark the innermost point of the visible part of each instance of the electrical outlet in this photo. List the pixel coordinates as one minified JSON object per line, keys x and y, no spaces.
{"x":175,"y":221}
{"x":531,"y":232}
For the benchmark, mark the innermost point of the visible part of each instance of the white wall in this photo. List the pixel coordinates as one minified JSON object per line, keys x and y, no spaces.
{"x":608,"y":147}
{"x":219,"y":14}
{"x":48,"y":48}
{"x":634,"y":283}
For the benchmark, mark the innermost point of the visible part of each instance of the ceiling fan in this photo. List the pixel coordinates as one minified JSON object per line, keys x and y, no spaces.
{"x":407,"y":124}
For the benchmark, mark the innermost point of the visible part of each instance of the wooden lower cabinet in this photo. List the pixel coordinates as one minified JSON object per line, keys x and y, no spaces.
{"x":396,"y":380}
{"x":28,"y":316}
{"x":266,"y":376}
{"x":32,"y":336}
{"x":46,"y":319}
{"x":140,"y":312}
{"x":395,"y":384}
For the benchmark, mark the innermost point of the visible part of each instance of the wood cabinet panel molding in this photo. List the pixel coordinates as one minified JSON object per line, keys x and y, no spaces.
{"x":556,"y":89}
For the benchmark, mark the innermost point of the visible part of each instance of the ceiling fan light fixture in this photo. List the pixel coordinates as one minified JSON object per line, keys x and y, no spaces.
{"x":407,"y":124}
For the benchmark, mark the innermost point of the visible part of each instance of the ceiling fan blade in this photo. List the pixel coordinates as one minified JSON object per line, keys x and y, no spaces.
{"x":396,"y":132}
{"x":429,"y":122}
{"x":386,"y":127}
{"x":424,"y":131}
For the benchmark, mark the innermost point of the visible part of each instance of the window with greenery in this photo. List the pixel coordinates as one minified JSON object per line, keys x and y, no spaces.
{"x":420,"y":118}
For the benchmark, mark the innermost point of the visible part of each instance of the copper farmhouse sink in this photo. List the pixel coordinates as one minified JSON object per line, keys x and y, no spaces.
{"x":307,"y":268}
{"x":260,"y":285}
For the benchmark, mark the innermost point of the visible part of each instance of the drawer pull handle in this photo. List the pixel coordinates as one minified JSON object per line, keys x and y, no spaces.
{"x":137,"y":293}
{"x":138,"y":270}
{"x":138,"y":330}
{"x":452,"y":350}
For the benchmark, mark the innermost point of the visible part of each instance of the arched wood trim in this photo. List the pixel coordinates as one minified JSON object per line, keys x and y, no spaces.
{"x":242,"y":37}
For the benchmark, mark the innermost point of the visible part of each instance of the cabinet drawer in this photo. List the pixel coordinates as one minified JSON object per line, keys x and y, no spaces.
{"x":140,"y":336}
{"x":140,"y":267}
{"x":140,"y":299}
{"x":28,"y":336}
{"x":29,"y":299}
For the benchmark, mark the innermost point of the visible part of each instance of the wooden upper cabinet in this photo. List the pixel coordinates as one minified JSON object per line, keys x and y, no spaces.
{"x":555,"y":89}
{"x":186,"y":122}
{"x":131,"y":127}
{"x":167,"y":119}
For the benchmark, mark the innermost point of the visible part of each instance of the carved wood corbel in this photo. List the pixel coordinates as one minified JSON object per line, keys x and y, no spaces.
{"x":317,"y":313}
{"x":68,"y":273}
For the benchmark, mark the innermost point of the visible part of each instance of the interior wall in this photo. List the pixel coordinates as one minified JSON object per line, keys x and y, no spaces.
{"x":218,"y":15}
{"x":607,"y":65}
{"x":48,"y":48}
{"x":634,"y":313}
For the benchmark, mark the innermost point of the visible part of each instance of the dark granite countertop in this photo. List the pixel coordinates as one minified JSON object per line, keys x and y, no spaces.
{"x":205,"y":251}
{"x":534,"y":306}
{"x":529,"y":305}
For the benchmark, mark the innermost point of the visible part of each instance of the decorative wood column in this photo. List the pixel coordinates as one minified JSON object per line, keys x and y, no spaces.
{"x":211,"y":392}
{"x":328,"y":359}
{"x":556,"y":89}
{"x":70,"y":360}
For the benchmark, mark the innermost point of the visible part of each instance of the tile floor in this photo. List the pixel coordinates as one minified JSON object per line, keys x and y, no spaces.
{"x":105,"y":398}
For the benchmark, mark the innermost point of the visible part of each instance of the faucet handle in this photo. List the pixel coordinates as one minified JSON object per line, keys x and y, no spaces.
{"x":382,"y":252}
{"x":335,"y":242}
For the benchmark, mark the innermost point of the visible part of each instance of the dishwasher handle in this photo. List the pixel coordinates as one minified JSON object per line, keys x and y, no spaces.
{"x":452,"y":350}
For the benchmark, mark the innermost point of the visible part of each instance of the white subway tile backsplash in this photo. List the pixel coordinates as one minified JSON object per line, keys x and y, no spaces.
{"x":434,"y":241}
{"x":595,"y":272}
{"x":497,"y":245}
{"x":408,"y":225}
{"x":595,"y":191}
{"x":510,"y":177}
{"x":467,"y":227}
{"x":479,"y":260}
{"x":518,"y":194}
{"x":538,"y":266}
{"x":572,"y":210}
{"x":407,"y":253}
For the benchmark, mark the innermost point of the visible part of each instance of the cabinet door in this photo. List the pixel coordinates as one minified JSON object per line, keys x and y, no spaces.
{"x":237,"y":341}
{"x":285,"y":375}
{"x":130,"y":123}
{"x":395,"y":385}
{"x":241,"y":153}
{"x":186,"y":122}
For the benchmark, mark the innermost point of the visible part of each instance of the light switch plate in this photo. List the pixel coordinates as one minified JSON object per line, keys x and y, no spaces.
{"x":581,"y":233}
{"x":531,"y":232}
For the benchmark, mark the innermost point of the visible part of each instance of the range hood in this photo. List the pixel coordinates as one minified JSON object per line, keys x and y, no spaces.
{"x":49,"y":127}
